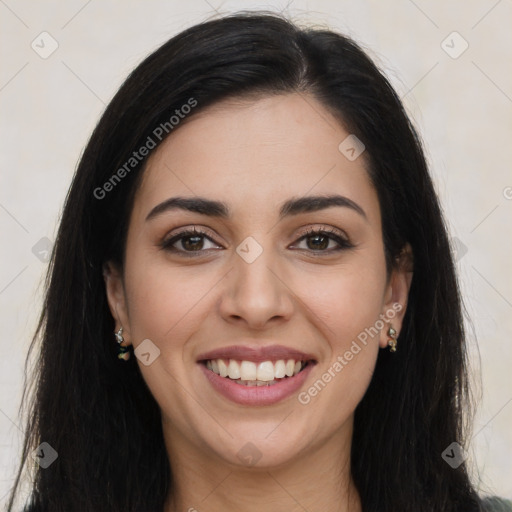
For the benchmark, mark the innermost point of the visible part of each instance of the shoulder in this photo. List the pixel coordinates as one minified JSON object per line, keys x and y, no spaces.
{"x":495,"y":504}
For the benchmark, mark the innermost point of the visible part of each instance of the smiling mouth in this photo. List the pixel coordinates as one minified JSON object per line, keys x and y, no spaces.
{"x":250,"y":373}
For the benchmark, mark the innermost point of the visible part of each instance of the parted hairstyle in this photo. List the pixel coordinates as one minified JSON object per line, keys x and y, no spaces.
{"x":97,"y":411}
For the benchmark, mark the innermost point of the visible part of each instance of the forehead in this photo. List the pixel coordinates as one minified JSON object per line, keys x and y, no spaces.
{"x":254,"y":155}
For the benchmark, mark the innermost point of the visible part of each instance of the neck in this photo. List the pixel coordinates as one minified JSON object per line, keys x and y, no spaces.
{"x":317,"y":481}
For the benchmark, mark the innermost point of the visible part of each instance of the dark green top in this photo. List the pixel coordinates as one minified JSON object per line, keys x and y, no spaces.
{"x":497,"y":505}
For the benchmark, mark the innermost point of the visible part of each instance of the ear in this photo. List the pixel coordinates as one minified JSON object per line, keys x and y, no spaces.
{"x":116,"y":298}
{"x":396,"y":295}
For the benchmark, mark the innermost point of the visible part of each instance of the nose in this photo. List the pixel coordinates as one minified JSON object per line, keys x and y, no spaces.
{"x":256,"y":294}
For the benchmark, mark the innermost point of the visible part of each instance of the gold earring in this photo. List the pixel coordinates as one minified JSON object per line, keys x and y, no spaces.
{"x":392,"y":339}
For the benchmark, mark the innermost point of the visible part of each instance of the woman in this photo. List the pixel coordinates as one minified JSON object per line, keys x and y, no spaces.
{"x":252,"y":304}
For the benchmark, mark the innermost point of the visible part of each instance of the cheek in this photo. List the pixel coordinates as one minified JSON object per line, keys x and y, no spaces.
{"x":348,"y":312}
{"x":167,"y":305}
{"x":346,"y":300}
{"x":161,"y":297}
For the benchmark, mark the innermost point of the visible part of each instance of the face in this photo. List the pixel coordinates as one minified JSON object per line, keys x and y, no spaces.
{"x":264,"y":313}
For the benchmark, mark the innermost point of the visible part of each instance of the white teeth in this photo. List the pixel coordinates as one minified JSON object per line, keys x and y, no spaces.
{"x":255,"y":374}
{"x":233,"y":370}
{"x":279,"y":369}
{"x":223,"y":369}
{"x":265,"y":371}
{"x":247,"y":370}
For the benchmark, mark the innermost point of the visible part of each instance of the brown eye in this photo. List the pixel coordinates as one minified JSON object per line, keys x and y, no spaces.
{"x":191,"y":241}
{"x":319,"y":240}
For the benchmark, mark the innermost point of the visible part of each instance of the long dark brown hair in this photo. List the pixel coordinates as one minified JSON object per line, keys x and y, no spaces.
{"x":98,"y":413}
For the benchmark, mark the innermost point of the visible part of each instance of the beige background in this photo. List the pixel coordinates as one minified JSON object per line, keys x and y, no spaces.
{"x":462,"y":107}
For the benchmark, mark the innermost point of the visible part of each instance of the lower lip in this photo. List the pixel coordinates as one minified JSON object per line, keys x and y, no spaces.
{"x":257,"y":395}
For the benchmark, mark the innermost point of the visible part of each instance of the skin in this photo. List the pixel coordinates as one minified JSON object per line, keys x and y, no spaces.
{"x":254,"y":155}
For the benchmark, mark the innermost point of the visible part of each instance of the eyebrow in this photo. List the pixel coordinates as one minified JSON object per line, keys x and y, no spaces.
{"x":221,"y":210}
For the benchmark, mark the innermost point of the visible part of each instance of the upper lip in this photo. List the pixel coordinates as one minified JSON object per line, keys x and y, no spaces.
{"x":256,"y":353}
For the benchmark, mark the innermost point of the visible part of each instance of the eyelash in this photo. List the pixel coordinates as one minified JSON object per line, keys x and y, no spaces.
{"x":189,"y":233}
